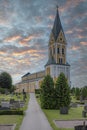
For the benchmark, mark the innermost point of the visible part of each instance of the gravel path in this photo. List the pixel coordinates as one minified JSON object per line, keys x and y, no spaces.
{"x":34,"y":118}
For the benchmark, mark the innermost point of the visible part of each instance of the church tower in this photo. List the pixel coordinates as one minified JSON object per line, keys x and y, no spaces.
{"x":57,"y":46}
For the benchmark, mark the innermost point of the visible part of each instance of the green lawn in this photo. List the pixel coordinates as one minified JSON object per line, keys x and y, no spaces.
{"x":74,"y":113}
{"x":13,"y":119}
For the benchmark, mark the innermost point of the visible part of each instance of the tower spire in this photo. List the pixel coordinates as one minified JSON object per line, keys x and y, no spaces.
{"x":57,"y":27}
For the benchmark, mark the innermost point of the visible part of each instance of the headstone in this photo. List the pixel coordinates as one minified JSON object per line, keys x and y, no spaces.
{"x":85,"y":108}
{"x":16,"y":105}
{"x":12,"y":101}
{"x":22,"y":104}
{"x":74,"y":105}
{"x":5,"y":104}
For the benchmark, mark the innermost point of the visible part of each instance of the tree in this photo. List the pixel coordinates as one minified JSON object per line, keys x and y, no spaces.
{"x":77,"y":93}
{"x":5,"y":80}
{"x":47,"y":92}
{"x":72,"y":91}
{"x":62,"y":91}
{"x":84,"y":92}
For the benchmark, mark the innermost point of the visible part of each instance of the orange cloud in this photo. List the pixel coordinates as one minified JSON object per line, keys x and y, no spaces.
{"x":11,"y":39}
{"x":1,"y":52}
{"x":83,"y":43}
{"x":69,"y":32}
{"x":78,"y":30}
{"x":74,"y":48}
{"x":29,"y":38}
{"x":80,"y":36}
{"x":51,"y":17}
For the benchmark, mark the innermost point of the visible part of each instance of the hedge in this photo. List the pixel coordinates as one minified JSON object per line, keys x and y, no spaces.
{"x":11,"y":112}
{"x":37,"y":91}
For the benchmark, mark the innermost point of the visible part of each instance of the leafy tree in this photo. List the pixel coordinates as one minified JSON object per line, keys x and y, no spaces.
{"x":72,"y":90}
{"x":77,"y":93}
{"x":84,"y":92}
{"x":47,"y":93}
{"x":5,"y":80}
{"x":62,"y":91}
{"x":13,"y":88}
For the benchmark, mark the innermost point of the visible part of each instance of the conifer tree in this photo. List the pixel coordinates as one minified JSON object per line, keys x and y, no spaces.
{"x":47,"y":92}
{"x":62,"y":91}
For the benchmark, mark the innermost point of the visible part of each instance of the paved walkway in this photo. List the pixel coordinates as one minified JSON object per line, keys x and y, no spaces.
{"x":34,"y":118}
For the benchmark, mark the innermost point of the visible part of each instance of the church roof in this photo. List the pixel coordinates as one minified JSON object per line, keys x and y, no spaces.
{"x":50,"y":60}
{"x":57,"y":27}
{"x":25,"y":75}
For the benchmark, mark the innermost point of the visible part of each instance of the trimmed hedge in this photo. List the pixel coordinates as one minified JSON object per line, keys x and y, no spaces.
{"x":37,"y":91}
{"x":11,"y":112}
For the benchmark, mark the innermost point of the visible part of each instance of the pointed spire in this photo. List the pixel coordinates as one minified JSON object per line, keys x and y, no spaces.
{"x":57,"y":25}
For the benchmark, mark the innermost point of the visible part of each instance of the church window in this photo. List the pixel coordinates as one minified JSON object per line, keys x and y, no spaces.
{"x":62,"y":50}
{"x":60,"y":60}
{"x":60,"y":39}
{"x":58,"y":51}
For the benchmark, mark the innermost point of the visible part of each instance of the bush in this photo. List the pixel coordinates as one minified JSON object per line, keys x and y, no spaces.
{"x":37,"y":91}
{"x":11,"y":112}
{"x":2,"y":90}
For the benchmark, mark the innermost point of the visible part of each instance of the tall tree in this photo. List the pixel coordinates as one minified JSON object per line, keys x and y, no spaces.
{"x":5,"y":80}
{"x":77,"y":93}
{"x":62,"y":91}
{"x":84,"y":92}
{"x":47,"y":92}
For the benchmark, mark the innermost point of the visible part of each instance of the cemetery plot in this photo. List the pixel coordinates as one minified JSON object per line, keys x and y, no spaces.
{"x":7,"y":127}
{"x":69,"y":123}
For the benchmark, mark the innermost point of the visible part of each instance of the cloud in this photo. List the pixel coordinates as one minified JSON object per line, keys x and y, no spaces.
{"x":12,"y":39}
{"x":83,"y":43}
{"x":25,"y":27}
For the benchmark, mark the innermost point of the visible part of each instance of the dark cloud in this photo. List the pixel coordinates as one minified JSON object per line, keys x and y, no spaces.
{"x":25,"y":27}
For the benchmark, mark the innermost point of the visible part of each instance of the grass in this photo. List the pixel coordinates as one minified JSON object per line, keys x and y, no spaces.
{"x":13,"y":119}
{"x":74,"y":113}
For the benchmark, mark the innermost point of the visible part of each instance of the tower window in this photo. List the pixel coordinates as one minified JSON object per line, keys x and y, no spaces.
{"x":60,"y":39}
{"x":58,"y":51}
{"x":62,"y":50}
{"x":60,"y":60}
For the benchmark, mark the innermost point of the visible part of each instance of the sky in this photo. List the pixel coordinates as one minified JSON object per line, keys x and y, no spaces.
{"x":25,"y":27}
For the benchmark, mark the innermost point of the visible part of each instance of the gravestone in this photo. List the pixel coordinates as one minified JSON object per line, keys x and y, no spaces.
{"x":22,"y":104}
{"x":5,"y":104}
{"x":12,"y":101}
{"x":84,"y":111}
{"x":73,"y":104}
{"x":15,"y":105}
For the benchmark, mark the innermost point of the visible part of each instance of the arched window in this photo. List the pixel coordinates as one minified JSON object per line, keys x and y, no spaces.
{"x":60,"y":60}
{"x":62,"y":50}
{"x":58,"y":50}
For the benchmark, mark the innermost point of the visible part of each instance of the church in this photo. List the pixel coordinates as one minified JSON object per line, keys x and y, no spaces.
{"x":57,"y":62}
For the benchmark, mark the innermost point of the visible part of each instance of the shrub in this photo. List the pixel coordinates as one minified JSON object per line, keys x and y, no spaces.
{"x":37,"y":91}
{"x":2,"y":90}
{"x":11,"y":112}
